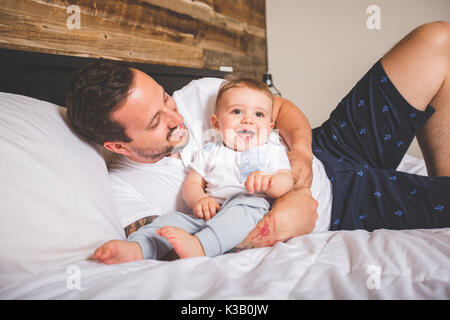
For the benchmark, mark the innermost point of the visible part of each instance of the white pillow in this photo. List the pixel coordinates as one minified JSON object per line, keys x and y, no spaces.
{"x":55,"y":200}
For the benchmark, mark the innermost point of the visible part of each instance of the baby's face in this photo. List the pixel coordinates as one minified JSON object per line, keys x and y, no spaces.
{"x":244,"y":118}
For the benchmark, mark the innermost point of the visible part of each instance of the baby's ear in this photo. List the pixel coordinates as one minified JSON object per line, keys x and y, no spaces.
{"x":215,"y":122}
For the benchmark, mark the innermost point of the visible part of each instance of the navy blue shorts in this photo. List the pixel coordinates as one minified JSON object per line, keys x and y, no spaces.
{"x":361,"y":145}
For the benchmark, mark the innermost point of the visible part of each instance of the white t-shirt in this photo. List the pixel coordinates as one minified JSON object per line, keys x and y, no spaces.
{"x":143,"y":189}
{"x":225,"y":170}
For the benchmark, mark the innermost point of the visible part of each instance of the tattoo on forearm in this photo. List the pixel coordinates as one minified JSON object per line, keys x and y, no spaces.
{"x":262,"y":236}
{"x":138,"y":224}
{"x":266,"y":229}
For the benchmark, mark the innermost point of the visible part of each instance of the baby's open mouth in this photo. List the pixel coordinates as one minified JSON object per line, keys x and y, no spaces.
{"x":246,"y":134}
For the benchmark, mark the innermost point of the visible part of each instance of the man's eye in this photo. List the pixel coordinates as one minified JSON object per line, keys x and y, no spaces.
{"x":155,"y":122}
{"x":259,"y":114}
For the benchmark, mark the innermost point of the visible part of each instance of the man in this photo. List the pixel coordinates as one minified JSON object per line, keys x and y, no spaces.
{"x":134,"y":117}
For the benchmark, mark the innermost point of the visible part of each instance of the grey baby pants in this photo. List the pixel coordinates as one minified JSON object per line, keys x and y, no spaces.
{"x":229,"y":227}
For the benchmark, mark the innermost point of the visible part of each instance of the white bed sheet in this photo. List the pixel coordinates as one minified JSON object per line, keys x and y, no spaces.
{"x":384,"y":264}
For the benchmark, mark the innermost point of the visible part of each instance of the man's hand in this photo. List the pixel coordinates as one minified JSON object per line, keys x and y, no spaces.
{"x":301,"y":167}
{"x":206,"y":208}
{"x":292,"y":215}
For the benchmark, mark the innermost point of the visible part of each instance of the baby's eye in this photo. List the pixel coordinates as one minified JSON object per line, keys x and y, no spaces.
{"x":236,"y":111}
{"x":259,"y":114}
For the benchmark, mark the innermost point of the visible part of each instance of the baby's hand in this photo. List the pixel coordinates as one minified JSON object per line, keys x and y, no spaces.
{"x":206,"y":208}
{"x":258,"y":181}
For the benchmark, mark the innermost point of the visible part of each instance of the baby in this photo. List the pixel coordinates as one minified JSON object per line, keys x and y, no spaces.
{"x":228,"y":186}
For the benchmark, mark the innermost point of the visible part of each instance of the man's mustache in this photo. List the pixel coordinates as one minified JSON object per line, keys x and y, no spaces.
{"x":172,"y":130}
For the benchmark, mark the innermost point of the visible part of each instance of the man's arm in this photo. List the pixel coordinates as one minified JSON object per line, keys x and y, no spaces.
{"x":292,"y":215}
{"x":295,"y":130}
{"x":138,"y":224}
{"x":130,"y":203}
{"x":295,"y":213}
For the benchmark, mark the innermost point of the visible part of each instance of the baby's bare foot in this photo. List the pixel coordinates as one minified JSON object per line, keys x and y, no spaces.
{"x":184,"y":244}
{"x":118,"y":251}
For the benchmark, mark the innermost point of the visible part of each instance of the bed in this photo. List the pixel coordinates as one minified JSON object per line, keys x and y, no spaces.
{"x":56,"y":208}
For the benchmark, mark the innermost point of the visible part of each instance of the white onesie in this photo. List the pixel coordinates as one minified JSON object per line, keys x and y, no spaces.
{"x":225,"y":170}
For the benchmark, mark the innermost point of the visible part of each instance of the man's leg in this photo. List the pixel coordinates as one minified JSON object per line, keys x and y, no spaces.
{"x":419,"y":67}
{"x":338,"y":144}
{"x":388,"y":199}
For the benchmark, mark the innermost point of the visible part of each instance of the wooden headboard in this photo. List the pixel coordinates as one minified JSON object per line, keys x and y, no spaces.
{"x":46,"y":76}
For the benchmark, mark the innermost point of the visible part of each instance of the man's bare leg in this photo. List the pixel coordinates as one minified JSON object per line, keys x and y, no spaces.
{"x":419,"y":67}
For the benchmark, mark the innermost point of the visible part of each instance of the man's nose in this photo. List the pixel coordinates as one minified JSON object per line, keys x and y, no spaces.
{"x":174,"y":118}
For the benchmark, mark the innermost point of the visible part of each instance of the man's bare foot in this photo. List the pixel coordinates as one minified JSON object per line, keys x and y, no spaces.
{"x":184,"y":244}
{"x":118,"y":251}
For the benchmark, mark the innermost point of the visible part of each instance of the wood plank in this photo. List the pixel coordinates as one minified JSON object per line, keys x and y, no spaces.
{"x":26,"y":29}
{"x":172,"y":32}
{"x":247,"y":65}
{"x":204,"y":11}
{"x":252,"y":12}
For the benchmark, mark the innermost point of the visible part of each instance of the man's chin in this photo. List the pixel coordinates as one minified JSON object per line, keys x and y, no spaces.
{"x":170,"y":151}
{"x":183,"y":143}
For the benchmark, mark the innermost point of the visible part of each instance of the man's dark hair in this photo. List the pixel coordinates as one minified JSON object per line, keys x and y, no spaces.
{"x":94,"y":93}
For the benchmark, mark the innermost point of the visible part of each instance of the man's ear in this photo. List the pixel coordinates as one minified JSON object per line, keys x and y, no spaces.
{"x":116,"y":147}
{"x":215,"y":122}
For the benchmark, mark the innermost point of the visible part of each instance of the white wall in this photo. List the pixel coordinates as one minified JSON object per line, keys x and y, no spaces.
{"x":319,"y":49}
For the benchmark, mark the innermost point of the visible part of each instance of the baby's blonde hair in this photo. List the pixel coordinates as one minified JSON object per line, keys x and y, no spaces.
{"x":238,"y":80}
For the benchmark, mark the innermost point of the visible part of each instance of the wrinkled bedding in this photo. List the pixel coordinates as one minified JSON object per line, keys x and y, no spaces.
{"x":384,"y":264}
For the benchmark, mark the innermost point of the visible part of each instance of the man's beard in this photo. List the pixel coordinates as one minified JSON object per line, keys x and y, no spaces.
{"x":157,"y":154}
